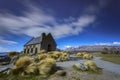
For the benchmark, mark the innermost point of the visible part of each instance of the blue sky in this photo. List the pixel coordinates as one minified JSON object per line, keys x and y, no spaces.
{"x":71,"y":22}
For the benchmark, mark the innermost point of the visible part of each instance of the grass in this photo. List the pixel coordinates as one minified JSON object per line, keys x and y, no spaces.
{"x":114,"y":58}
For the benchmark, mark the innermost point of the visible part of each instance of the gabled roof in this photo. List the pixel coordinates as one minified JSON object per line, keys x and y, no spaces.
{"x":34,"y":41}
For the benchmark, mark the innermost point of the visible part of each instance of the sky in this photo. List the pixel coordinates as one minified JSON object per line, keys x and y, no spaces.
{"x":72,"y":22}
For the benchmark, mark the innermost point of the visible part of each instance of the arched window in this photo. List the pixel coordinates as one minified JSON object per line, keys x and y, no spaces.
{"x":36,"y":51}
{"x":28,"y":51}
{"x":31,"y":50}
{"x":24,"y":50}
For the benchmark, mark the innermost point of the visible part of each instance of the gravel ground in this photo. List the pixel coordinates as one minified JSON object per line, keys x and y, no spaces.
{"x":115,"y":68}
{"x":110,"y":71}
{"x":75,"y":75}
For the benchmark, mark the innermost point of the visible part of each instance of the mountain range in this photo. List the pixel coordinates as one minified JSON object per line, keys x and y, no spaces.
{"x":92,"y":48}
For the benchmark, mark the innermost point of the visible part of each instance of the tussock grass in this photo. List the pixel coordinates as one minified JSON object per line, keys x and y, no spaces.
{"x":41,"y":56}
{"x":92,"y":68}
{"x":23,"y":62}
{"x":47,"y":66}
{"x":87,"y":56}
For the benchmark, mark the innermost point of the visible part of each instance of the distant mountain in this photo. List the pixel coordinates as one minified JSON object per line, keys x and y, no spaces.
{"x":92,"y":48}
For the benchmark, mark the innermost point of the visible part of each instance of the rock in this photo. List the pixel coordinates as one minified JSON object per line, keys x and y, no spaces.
{"x":81,"y":66}
{"x":60,"y":73}
{"x":14,"y":59}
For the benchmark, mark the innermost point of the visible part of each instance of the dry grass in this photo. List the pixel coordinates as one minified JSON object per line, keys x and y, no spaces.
{"x":92,"y":66}
{"x":47,"y":66}
{"x":63,"y":57}
{"x":21,"y":65}
{"x":23,"y":62}
{"x":87,"y":56}
{"x":41,"y":56}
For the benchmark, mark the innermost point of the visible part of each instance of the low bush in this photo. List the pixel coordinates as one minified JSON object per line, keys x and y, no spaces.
{"x":47,"y":66}
{"x":13,"y":53}
{"x":87,"y":56}
{"x":21,"y":64}
{"x":41,"y":56}
{"x":92,"y":66}
{"x":63,"y":57}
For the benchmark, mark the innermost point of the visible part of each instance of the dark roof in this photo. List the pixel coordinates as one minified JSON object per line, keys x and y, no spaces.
{"x":34,"y":41}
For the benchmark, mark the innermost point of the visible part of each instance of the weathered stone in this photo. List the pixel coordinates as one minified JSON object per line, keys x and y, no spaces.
{"x":60,"y":73}
{"x":81,"y":66}
{"x":14,"y":59}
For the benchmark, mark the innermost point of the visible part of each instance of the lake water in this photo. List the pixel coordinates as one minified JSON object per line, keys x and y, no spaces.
{"x":3,"y":53}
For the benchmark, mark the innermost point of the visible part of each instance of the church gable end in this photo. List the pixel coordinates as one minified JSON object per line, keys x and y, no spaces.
{"x":45,"y":42}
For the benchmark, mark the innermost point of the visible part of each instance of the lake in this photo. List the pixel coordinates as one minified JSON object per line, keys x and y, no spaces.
{"x":3,"y":53}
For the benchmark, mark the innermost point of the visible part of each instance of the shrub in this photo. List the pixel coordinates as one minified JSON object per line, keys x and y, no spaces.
{"x":47,"y":66}
{"x":91,"y":65}
{"x":79,"y":54}
{"x":23,"y":62}
{"x":55,"y":54}
{"x":87,"y":56}
{"x":63,"y":57}
{"x":41,"y":56}
{"x":31,"y":69}
{"x":13,"y":53}
{"x":42,"y":51}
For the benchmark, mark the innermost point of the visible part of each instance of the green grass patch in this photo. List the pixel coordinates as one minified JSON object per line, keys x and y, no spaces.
{"x":114,"y":58}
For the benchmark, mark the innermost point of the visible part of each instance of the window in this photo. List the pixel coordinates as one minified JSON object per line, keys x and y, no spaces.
{"x":24,"y":50}
{"x":31,"y":50}
{"x":35,"y":50}
{"x":28,"y":51}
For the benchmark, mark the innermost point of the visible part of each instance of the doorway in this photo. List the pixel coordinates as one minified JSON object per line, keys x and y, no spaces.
{"x":49,"y":47}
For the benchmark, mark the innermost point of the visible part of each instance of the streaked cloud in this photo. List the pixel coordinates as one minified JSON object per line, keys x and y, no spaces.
{"x":7,"y":42}
{"x":34,"y":21}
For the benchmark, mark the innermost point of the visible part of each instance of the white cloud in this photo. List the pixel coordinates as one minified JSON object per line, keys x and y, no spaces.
{"x":116,"y":43}
{"x":67,"y":46}
{"x":35,"y":21}
{"x":2,"y":49}
{"x":8,"y":42}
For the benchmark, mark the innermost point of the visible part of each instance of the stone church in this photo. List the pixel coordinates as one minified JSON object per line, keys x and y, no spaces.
{"x":44,"y":42}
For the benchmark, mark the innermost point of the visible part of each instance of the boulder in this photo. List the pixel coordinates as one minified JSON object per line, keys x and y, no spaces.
{"x":60,"y":73}
{"x":81,"y":66}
